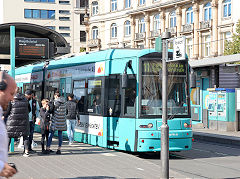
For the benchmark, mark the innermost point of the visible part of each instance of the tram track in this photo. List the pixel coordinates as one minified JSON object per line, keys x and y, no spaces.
{"x":205,"y":160}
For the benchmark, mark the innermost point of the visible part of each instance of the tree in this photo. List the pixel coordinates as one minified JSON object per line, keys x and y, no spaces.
{"x":233,"y":46}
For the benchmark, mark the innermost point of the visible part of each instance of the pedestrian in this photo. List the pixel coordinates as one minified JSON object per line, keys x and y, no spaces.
{"x":32,"y":116}
{"x":58,"y":120}
{"x":7,"y":91}
{"x":44,"y":123}
{"x":71,"y":117}
{"x":17,"y":120}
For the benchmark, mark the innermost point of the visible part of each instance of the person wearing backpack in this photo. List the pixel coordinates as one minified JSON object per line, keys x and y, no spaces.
{"x":58,"y":121}
{"x":71,"y":117}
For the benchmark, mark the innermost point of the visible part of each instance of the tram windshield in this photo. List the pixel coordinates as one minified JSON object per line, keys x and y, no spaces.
{"x":151,"y":89}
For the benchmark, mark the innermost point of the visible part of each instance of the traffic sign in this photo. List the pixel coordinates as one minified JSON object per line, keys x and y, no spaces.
{"x":179,"y":49}
{"x":158,"y":44}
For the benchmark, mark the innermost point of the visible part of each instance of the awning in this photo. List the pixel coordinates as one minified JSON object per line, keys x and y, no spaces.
{"x":215,"y":61}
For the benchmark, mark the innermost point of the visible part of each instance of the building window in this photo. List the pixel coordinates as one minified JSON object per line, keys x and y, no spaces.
{"x":36,"y":13}
{"x":113,"y":5}
{"x":156,"y":23}
{"x":64,"y":2}
{"x":64,"y":28}
{"x":227,"y":8}
{"x":81,"y":19}
{"x":189,"y":43}
{"x":113,"y":30}
{"x":94,"y":8}
{"x":82,"y":36}
{"x":173,"y":19}
{"x":190,"y":15}
{"x":227,"y":36}
{"x":207,"y":12}
{"x":64,"y":18}
{"x":65,"y":34}
{"x":142,"y":2}
{"x":81,"y":3}
{"x":206,"y":45}
{"x":127,"y":3}
{"x":127,"y":28}
{"x":94,"y":32}
{"x":39,"y":0}
{"x":64,"y":12}
{"x":141,"y":26}
{"x":39,"y":14}
{"x":51,"y":27}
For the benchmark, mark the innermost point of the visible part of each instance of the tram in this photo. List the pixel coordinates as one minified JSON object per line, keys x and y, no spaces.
{"x":119,"y":93}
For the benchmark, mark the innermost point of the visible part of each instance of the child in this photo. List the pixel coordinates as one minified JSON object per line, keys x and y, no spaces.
{"x":44,"y":122}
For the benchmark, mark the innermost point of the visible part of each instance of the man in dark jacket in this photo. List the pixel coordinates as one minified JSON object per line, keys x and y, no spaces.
{"x":17,"y":122}
{"x":71,"y":115}
{"x":34,"y":112}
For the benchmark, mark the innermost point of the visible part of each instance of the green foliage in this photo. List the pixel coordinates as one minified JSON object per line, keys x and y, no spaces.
{"x":233,"y":47}
{"x":82,"y":49}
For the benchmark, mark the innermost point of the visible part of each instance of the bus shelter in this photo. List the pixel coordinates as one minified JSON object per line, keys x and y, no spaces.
{"x":57,"y":43}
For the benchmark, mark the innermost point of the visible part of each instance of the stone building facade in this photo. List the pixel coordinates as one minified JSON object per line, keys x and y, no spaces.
{"x":207,"y":24}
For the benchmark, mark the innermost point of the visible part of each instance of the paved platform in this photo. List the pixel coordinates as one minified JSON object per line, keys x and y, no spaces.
{"x":83,"y":161}
{"x":232,"y":138}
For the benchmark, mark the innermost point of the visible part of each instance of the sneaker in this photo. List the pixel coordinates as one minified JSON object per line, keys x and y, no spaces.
{"x":26,"y":155}
{"x":51,"y":151}
{"x":58,"y":152}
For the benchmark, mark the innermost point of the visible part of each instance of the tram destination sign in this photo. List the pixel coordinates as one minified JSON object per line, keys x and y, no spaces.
{"x":34,"y":48}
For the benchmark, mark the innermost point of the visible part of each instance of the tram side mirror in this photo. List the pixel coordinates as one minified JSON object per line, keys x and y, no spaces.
{"x":193,"y":80}
{"x":124,"y":80}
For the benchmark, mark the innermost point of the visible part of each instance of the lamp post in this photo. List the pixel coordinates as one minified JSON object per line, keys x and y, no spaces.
{"x":164,"y":127}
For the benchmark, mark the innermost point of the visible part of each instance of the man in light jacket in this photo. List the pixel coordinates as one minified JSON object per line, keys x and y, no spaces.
{"x":7,"y":91}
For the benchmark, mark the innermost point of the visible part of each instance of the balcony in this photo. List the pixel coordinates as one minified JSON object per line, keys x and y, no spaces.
{"x":187,"y":28}
{"x":205,"y":25}
{"x":140,"y":36}
{"x":94,"y":43}
{"x":172,"y":30}
{"x":154,"y":34}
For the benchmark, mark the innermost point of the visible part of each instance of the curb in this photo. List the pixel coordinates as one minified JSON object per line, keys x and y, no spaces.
{"x":216,"y":138}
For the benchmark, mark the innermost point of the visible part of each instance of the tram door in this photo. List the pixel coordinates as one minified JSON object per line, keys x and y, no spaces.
{"x":62,"y":89}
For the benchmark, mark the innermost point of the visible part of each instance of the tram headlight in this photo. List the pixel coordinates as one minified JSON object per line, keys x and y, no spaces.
{"x":186,"y":125}
{"x":150,"y":125}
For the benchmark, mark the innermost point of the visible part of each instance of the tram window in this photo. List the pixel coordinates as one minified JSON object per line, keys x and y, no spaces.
{"x":94,"y":105}
{"x":79,"y":93}
{"x":52,"y":87}
{"x":114,"y":97}
{"x":151,"y":97}
{"x":130,"y":98}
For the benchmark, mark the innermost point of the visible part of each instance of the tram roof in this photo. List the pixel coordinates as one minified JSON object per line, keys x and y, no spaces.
{"x":29,"y":68}
{"x":99,"y":56}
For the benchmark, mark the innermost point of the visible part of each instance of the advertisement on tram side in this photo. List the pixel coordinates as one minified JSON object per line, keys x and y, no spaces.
{"x":90,"y":125}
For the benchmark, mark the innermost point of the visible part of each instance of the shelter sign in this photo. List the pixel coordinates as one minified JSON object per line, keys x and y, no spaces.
{"x":179,"y":49}
{"x":34,"y":48}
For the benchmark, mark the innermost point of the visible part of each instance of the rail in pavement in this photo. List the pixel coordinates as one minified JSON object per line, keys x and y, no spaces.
{"x":83,"y":161}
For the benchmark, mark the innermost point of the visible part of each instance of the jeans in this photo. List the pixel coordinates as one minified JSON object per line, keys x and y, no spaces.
{"x":70,"y":129}
{"x":60,"y":138}
{"x":32,"y":125}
